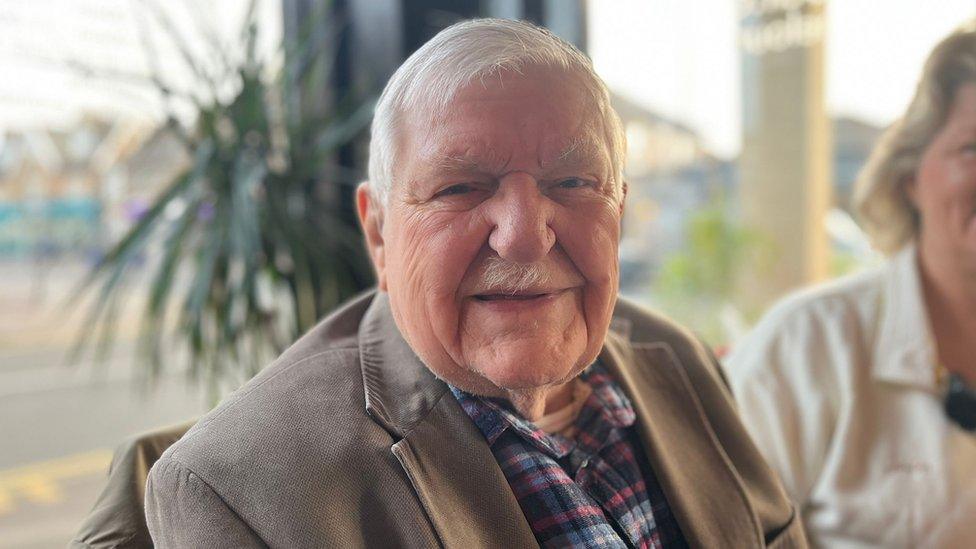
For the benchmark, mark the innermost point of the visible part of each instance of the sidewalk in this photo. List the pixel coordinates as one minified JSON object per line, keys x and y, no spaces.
{"x":60,"y":422}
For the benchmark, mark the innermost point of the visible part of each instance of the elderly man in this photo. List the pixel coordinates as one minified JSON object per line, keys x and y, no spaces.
{"x":479,"y":398}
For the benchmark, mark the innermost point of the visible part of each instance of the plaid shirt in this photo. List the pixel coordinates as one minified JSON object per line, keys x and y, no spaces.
{"x":595,"y":491}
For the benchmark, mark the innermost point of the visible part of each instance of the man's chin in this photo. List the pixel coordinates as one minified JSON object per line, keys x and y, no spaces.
{"x":529,"y":373}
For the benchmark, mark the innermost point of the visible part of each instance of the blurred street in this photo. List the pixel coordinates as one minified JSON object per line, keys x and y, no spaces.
{"x":59,"y":423}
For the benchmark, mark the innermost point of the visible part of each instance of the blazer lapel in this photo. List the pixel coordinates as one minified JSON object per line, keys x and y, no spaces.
{"x":459,"y":482}
{"x":703,"y":490}
{"x":445,"y":457}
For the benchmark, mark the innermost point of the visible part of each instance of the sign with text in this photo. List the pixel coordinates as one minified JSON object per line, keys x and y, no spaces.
{"x":771,"y":26}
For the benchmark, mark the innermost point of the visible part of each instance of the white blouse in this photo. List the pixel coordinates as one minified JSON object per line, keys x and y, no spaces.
{"x":837,"y":385}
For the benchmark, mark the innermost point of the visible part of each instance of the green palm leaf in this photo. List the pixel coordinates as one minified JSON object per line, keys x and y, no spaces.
{"x":247,"y":245}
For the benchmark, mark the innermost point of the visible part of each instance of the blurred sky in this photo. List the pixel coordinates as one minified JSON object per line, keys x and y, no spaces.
{"x":679,"y":57}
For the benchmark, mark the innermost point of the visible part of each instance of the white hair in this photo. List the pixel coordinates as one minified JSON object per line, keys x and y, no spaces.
{"x":462,"y":53}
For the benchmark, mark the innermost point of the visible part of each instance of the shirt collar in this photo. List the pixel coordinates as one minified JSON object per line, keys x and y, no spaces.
{"x":493,"y":417}
{"x":614,"y":403}
{"x":904,"y":352}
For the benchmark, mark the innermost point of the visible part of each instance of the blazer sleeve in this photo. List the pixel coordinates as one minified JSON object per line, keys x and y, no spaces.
{"x":182,"y":510}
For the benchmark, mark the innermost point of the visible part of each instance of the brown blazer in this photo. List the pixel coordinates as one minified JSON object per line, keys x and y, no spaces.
{"x":117,"y":521}
{"x":347,"y":440}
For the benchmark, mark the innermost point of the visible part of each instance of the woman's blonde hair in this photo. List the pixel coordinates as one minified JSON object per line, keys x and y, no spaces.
{"x":880,"y":197}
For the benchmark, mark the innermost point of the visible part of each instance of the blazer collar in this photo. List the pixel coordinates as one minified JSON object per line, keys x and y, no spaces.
{"x":904,"y":351}
{"x":400,"y":390}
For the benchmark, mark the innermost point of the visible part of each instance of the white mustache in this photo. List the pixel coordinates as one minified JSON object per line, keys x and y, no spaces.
{"x":500,"y":276}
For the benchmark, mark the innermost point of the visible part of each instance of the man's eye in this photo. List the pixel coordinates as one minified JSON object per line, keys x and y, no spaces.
{"x":571,"y":183}
{"x":460,"y":188}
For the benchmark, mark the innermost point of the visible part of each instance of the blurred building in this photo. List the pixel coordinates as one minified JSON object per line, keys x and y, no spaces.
{"x":670,"y":175}
{"x":853,"y":140}
{"x":673,"y":177}
{"x":73,"y":191}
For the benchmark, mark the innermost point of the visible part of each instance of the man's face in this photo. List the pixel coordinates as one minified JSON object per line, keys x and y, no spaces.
{"x":498,"y":247}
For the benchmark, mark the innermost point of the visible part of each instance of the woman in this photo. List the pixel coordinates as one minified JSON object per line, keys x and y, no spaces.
{"x":844,"y":386}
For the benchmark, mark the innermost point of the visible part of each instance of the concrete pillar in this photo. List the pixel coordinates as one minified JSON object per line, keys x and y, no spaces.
{"x":785,"y":162}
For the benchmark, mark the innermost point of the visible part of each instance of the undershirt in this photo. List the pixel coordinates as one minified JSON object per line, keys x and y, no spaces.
{"x":563,"y":420}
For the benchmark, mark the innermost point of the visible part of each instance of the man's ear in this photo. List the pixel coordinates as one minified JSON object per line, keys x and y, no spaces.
{"x":371,"y":218}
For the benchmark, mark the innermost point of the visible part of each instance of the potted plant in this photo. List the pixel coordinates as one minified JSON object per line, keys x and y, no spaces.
{"x":249,"y":245}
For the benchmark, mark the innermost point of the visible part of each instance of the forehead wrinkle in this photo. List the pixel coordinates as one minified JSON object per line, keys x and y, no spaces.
{"x":469,"y":159}
{"x":455,"y":163}
{"x":581,"y":150}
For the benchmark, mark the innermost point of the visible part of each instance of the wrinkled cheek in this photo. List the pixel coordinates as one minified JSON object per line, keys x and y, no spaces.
{"x":421,"y":290}
{"x":433,"y":259}
{"x":600,"y":266}
{"x":597,"y":309}
{"x":472,"y":337}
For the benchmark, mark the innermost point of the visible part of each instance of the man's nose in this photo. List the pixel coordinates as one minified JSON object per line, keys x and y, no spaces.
{"x":522,"y":216}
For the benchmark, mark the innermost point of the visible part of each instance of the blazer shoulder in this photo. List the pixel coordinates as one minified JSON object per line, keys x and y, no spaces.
{"x":307,"y":409}
{"x":641,"y":326}
{"x":182,"y":510}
